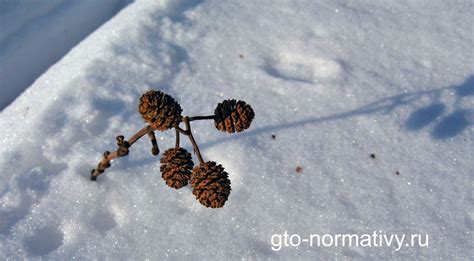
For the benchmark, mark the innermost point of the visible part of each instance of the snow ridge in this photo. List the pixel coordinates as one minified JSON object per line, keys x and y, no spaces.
{"x":44,"y":32}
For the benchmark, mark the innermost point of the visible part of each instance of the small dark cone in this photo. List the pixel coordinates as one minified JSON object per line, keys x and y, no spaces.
{"x":233,"y":116}
{"x":160,"y":110}
{"x":211,"y":184}
{"x":176,"y":166}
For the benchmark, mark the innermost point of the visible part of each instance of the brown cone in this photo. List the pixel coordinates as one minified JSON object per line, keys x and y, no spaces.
{"x":233,"y":116}
{"x":175,"y":167}
{"x":211,"y":184}
{"x":160,"y":110}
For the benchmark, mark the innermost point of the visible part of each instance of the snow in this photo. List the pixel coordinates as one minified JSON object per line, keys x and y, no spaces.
{"x":36,"y":34}
{"x":333,"y":81}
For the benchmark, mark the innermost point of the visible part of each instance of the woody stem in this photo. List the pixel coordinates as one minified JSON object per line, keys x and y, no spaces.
{"x":177,"y":137}
{"x":189,"y":133}
{"x":154,"y":150}
{"x":120,"y":152}
{"x":139,"y":134}
{"x":197,"y":118}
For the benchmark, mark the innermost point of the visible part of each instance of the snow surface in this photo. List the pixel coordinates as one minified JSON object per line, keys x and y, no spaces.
{"x":36,"y":34}
{"x":334,"y":81}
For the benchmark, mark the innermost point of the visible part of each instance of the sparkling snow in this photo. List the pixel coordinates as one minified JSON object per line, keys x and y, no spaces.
{"x":333,"y":81}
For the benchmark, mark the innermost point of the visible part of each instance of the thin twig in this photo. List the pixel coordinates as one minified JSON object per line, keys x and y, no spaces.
{"x":154,"y":150}
{"x":139,"y":134}
{"x":189,"y":133}
{"x":121,"y":151}
{"x":177,"y":137}
{"x":125,"y":145}
{"x":196,"y":118}
{"x":181,"y":130}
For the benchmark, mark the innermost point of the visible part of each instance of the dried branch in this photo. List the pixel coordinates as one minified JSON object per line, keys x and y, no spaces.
{"x":177,"y":137}
{"x":154,"y":150}
{"x":211,"y":185}
{"x":189,"y":133}
{"x":122,"y":151}
{"x":197,"y":118}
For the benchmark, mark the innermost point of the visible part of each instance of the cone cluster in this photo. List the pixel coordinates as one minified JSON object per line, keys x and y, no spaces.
{"x":175,"y":166}
{"x":159,"y":110}
{"x":210,"y":184}
{"x":233,"y":116}
{"x":209,"y":181}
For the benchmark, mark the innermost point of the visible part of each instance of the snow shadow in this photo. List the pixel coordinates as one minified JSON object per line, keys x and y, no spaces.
{"x":452,"y":125}
{"x":44,"y":240}
{"x":30,"y":187}
{"x":27,"y":50}
{"x":176,"y":9}
{"x":466,"y":89}
{"x":102,"y":220}
{"x":445,"y":127}
{"x":424,"y":116}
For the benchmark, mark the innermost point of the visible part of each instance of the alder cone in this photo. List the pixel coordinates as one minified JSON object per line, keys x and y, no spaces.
{"x":176,"y":165}
{"x":210,"y":184}
{"x":159,"y":110}
{"x":233,"y":116}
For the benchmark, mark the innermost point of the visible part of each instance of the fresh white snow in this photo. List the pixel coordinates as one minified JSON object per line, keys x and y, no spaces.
{"x":36,"y":34}
{"x":333,"y":81}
